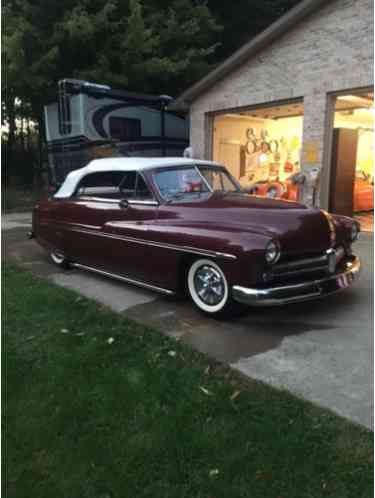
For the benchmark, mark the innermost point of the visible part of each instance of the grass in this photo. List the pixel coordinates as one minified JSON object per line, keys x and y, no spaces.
{"x":98,"y":406}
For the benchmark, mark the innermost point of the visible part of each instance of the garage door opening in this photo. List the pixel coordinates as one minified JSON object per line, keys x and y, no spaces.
{"x":261,"y":147}
{"x":352,"y":168}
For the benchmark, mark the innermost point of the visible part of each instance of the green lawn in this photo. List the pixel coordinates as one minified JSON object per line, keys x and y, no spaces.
{"x":98,"y":406}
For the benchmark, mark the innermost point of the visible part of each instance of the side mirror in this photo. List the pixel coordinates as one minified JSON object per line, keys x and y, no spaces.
{"x":124,"y":203}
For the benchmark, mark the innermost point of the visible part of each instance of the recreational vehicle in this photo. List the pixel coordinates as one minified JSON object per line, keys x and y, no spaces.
{"x":89,"y":121}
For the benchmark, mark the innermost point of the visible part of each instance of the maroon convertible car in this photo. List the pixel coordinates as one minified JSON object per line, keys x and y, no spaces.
{"x":177,"y":225}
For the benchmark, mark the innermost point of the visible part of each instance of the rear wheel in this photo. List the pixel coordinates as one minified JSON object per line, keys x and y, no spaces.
{"x":209,"y":289}
{"x":59,"y":259}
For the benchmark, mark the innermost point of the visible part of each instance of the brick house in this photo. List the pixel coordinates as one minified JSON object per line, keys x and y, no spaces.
{"x":295,"y":103}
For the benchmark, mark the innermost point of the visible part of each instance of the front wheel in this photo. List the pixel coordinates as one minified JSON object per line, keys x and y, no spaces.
{"x":209,"y":289}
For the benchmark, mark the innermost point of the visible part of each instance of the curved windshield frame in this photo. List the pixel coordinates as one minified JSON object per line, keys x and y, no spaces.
{"x":192,"y":181}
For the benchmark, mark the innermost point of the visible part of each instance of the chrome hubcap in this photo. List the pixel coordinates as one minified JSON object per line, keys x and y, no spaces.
{"x":209,"y":285}
{"x":57,"y":257}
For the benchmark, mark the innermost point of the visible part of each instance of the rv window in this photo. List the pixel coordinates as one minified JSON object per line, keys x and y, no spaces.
{"x":125,"y":128}
{"x":64,"y":115}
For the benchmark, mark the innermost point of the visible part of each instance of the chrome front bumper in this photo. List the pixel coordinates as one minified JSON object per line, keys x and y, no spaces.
{"x":276,"y":296}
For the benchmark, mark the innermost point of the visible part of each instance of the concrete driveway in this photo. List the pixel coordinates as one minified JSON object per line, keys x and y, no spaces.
{"x":322,"y":350}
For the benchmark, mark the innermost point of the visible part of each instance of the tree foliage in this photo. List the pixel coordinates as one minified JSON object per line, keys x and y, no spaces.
{"x":124,"y":44}
{"x":245,"y":19}
{"x":155,"y":46}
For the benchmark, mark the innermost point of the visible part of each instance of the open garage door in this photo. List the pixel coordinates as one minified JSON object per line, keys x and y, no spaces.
{"x":261,"y":147}
{"x":352,"y":168}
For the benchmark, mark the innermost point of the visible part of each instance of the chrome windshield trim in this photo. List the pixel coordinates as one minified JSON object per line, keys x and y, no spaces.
{"x":196,"y":167}
{"x":210,"y":189}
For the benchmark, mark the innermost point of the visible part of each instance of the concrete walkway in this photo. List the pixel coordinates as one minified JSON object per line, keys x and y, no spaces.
{"x":322,"y":350}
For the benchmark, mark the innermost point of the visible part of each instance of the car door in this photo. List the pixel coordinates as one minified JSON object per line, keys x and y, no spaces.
{"x":108,"y":220}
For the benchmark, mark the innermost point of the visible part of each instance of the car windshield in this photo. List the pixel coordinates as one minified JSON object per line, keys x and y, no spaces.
{"x":219,"y":179}
{"x":187,"y":182}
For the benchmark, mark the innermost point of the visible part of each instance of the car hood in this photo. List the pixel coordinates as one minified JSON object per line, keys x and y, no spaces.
{"x":298,"y":228}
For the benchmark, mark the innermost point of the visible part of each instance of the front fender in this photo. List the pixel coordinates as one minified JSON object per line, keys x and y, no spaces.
{"x":169,"y":245}
{"x":239,"y":253}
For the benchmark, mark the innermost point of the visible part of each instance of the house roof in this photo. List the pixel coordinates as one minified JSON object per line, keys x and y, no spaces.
{"x":121,"y":164}
{"x":265,"y":38}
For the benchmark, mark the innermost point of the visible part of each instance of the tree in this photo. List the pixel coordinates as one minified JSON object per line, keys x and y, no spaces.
{"x":244,"y":20}
{"x":124,"y":44}
{"x":155,"y":46}
{"x":120,"y":44}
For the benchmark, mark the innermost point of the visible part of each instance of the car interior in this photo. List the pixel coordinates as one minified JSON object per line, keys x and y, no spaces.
{"x":114,"y":185}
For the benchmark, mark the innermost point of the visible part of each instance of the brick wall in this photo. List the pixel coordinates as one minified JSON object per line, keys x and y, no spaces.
{"x":330,"y":51}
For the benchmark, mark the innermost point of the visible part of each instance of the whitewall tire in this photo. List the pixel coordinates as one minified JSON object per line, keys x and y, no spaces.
{"x":209,"y":288}
{"x":59,"y":259}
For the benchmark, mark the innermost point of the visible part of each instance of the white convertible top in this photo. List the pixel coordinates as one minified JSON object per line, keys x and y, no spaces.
{"x":121,"y":164}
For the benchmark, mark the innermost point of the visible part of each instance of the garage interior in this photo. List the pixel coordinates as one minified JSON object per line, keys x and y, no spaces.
{"x":352,"y":167}
{"x":261,"y":148}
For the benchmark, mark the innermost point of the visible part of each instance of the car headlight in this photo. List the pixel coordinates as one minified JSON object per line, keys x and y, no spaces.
{"x":272,"y":252}
{"x":354,"y":232}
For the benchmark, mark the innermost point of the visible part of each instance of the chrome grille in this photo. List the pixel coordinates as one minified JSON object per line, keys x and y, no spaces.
{"x":305,"y":267}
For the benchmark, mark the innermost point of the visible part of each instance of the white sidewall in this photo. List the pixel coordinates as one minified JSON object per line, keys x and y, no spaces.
{"x":202,"y":305}
{"x":57,"y":257}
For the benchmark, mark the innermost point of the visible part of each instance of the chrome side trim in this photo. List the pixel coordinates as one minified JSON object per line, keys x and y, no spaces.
{"x":146,"y":203}
{"x":172,"y":247}
{"x":66,"y":224}
{"x":287,"y":294}
{"x":81,"y":225}
{"x":123,"y":279}
{"x":96,"y":199}
{"x":225,"y":255}
{"x":116,"y":201}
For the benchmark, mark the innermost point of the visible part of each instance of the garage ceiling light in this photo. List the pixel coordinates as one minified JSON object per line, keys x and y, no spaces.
{"x":361,"y":101}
